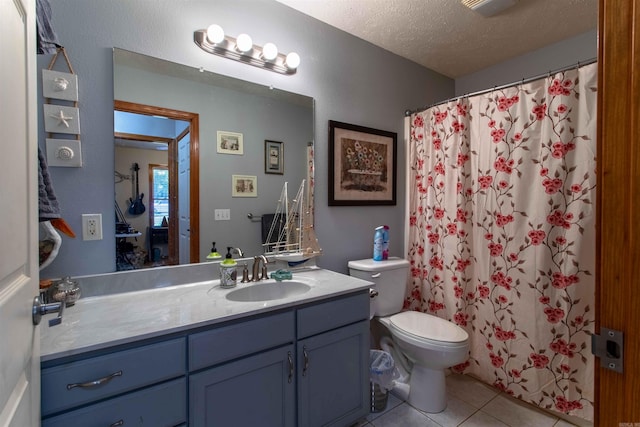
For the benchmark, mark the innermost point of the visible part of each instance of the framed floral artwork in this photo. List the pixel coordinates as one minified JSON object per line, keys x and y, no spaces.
{"x":362,"y":165}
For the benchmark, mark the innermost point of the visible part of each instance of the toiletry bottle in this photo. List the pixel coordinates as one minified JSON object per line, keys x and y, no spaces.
{"x":377,"y":243}
{"x":228,"y":272}
{"x":385,"y":242}
{"x":214,"y":252}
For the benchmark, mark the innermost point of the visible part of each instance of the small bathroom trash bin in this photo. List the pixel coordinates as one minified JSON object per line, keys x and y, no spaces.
{"x":381,"y":369}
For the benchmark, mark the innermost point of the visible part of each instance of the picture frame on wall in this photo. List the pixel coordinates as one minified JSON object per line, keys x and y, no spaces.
{"x":362,"y":165}
{"x":229,"y":143}
{"x":244,"y":186}
{"x":273,"y":157}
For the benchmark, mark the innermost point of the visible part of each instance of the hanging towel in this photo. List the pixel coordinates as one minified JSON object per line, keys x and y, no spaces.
{"x":48,"y":206}
{"x":267,"y":219}
{"x":47,"y":39}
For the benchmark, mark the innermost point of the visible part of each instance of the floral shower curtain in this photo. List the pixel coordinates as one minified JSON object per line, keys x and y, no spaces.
{"x":502,"y":235}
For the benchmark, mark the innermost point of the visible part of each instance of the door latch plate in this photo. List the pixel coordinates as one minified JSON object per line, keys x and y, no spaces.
{"x":609,"y":347}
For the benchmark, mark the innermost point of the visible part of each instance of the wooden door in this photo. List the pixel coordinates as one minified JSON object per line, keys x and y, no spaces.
{"x":19,"y":338}
{"x":618,"y":243}
{"x":194,"y":174}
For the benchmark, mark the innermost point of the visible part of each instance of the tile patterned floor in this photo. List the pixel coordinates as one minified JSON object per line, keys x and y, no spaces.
{"x":470,"y":403}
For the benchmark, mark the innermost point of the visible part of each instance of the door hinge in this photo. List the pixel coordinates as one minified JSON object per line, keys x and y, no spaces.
{"x":609,"y":347}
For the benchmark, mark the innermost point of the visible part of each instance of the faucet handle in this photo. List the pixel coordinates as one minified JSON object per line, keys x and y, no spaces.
{"x":245,"y":273}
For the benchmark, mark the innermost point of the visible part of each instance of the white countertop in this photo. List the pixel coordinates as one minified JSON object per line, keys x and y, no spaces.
{"x":102,"y":321}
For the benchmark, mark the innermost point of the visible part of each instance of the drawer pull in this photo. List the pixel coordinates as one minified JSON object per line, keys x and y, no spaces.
{"x":306,"y":360}
{"x":290,"y":366}
{"x":117,"y":423}
{"x":96,"y":383}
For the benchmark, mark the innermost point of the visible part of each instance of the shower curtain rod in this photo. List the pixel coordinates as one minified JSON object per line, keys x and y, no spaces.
{"x":521,"y":82}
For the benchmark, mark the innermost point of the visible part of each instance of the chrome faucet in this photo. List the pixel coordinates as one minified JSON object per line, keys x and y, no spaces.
{"x":257,"y":274}
{"x":238,"y":251}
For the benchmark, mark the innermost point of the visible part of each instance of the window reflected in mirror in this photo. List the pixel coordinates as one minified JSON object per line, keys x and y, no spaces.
{"x":159,"y":195}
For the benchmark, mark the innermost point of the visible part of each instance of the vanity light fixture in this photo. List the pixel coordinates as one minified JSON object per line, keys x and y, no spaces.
{"x":244,"y":43}
{"x":213,"y":40}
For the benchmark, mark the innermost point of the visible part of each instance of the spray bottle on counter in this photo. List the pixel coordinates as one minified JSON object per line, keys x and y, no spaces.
{"x":378,"y":241}
{"x":385,"y":242}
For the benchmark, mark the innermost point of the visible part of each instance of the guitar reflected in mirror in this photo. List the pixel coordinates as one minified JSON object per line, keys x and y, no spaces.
{"x":136,"y":206}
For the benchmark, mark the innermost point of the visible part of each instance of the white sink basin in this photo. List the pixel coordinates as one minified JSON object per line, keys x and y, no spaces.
{"x":268,"y":290}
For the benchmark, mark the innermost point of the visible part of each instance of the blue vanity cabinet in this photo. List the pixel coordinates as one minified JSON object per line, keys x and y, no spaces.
{"x":303,"y":365}
{"x":254,"y":391}
{"x":142,"y":385}
{"x":333,"y":362}
{"x":243,"y":374}
{"x":160,"y":405}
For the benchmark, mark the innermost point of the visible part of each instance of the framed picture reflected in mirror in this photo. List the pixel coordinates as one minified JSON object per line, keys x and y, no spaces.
{"x":273,"y":157}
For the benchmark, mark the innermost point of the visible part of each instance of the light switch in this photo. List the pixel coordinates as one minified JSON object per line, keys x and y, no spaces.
{"x":222,"y":214}
{"x":64,"y":153}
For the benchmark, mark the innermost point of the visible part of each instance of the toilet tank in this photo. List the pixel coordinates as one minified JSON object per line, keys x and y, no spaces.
{"x":390,"y":280}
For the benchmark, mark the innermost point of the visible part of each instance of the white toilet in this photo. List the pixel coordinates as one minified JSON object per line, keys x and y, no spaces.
{"x":430,"y":344}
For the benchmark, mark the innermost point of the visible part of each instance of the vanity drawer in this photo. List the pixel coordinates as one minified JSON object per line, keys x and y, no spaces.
{"x":228,"y":342}
{"x":333,"y":314}
{"x":127,"y":370}
{"x":161,"y":405}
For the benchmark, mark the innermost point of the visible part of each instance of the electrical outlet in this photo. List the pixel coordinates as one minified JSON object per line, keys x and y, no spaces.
{"x":91,"y":226}
{"x":222,"y":214}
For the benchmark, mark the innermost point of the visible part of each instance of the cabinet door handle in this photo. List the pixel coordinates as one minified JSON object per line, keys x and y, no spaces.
{"x":95,"y":383}
{"x":290,"y":358}
{"x":306,"y":360}
{"x":117,"y":423}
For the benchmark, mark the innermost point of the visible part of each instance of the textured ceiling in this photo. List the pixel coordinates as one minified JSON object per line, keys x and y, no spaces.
{"x":449,"y":38}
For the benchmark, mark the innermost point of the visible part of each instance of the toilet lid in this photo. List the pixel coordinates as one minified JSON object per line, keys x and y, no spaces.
{"x":423,"y":325}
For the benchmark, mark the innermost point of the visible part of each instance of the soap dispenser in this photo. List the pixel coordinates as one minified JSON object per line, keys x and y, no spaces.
{"x":228,"y":272}
{"x":214,"y":252}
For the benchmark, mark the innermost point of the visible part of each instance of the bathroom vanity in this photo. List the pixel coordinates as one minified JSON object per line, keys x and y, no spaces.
{"x":193,"y":354}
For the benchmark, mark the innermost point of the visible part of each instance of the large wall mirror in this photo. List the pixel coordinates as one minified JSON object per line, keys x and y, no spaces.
{"x":199,"y":158}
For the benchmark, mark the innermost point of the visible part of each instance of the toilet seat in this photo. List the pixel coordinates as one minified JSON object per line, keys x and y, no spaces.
{"x":423,"y":329}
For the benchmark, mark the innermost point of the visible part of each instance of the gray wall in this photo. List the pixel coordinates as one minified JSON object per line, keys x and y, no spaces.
{"x":581,"y":48}
{"x":351,"y":80}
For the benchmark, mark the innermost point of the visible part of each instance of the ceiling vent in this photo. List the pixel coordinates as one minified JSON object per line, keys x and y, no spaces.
{"x":488,"y":8}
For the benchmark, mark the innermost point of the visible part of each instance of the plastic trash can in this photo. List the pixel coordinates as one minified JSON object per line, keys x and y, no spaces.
{"x":381,"y":370}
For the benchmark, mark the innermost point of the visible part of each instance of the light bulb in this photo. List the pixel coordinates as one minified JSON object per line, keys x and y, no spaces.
{"x":215,"y":34}
{"x":269,"y":52}
{"x":293,"y":61}
{"x":244,"y":43}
